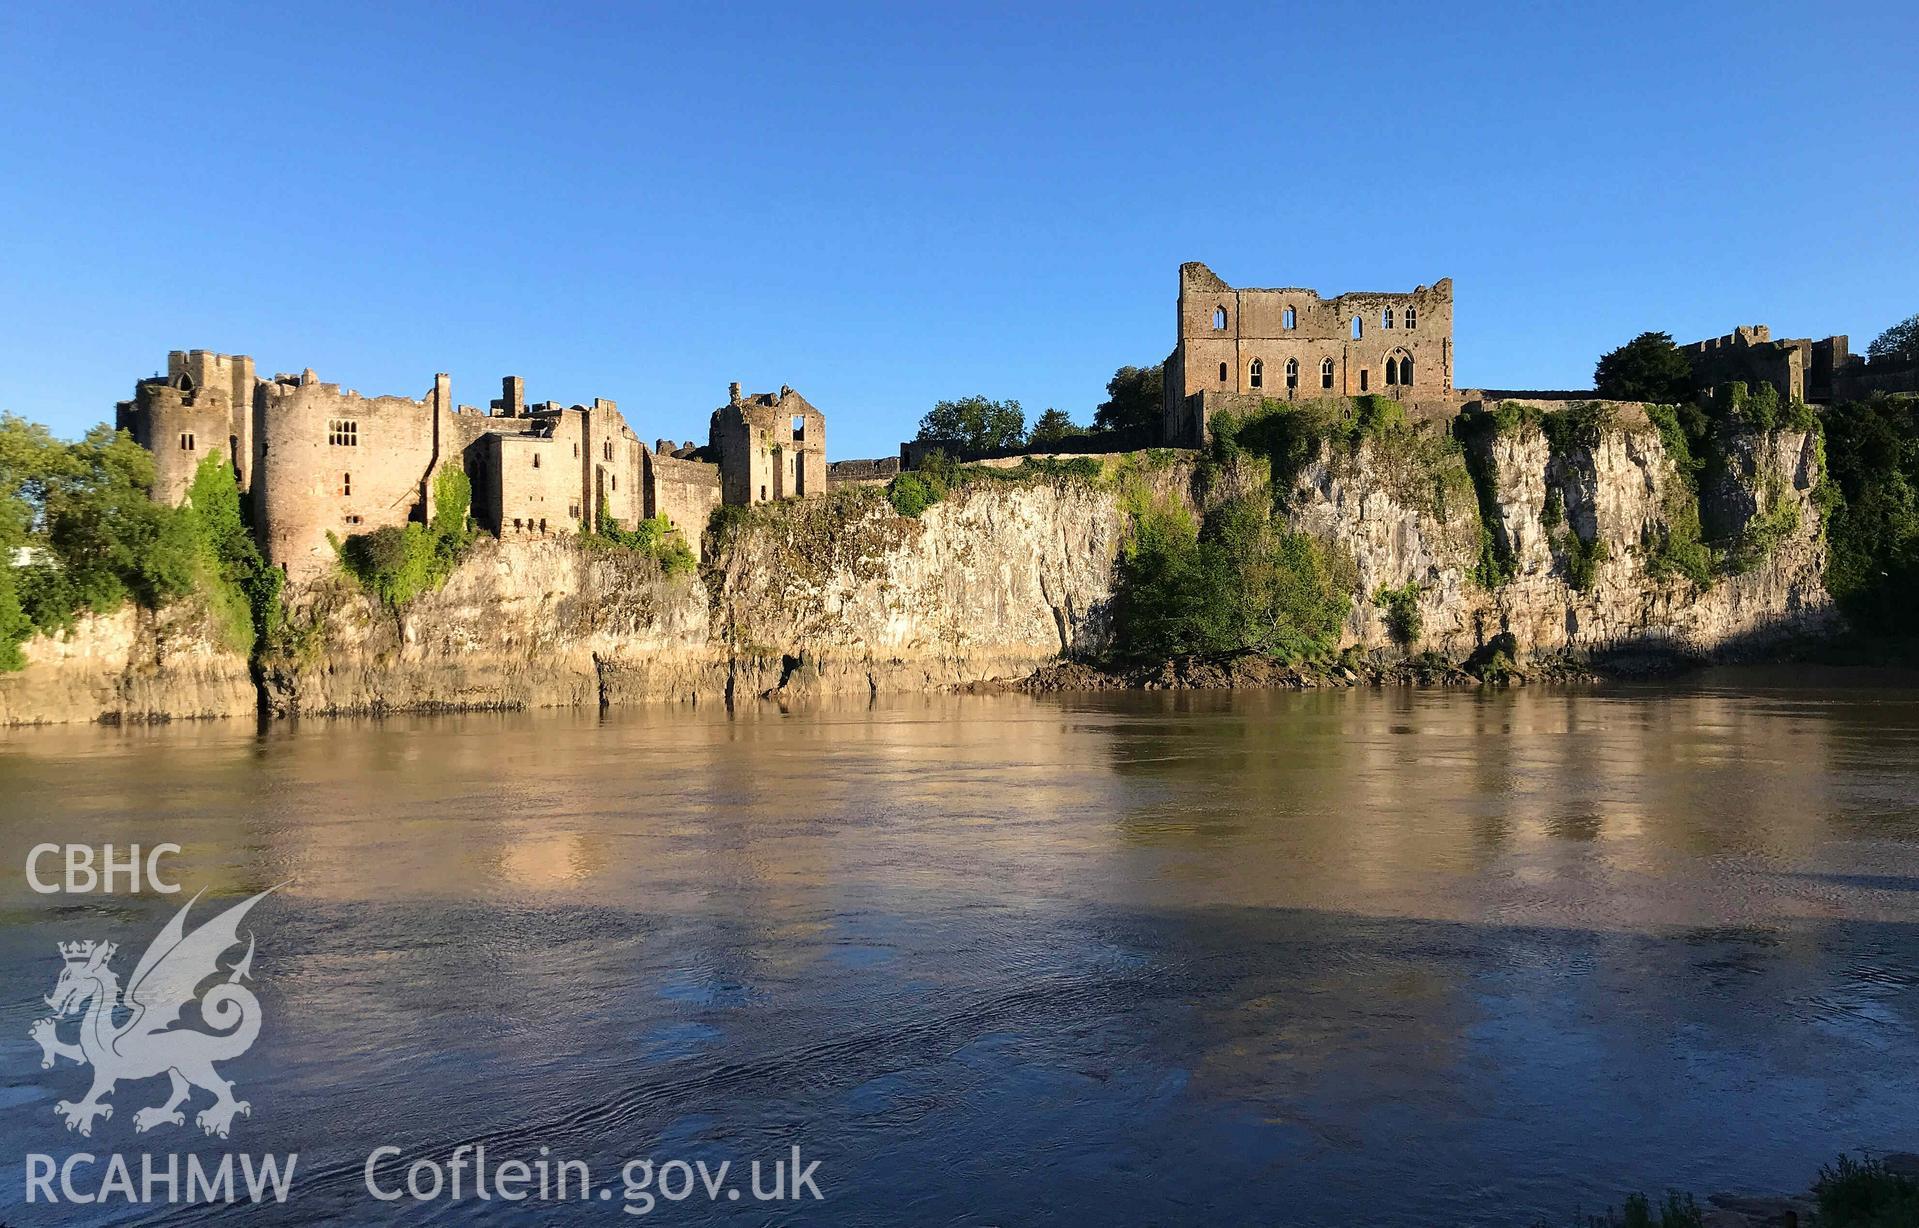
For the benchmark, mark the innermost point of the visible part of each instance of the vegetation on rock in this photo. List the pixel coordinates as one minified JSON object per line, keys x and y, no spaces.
{"x":1872,"y":506}
{"x":397,"y":564}
{"x":655,"y":537}
{"x":1237,"y":581}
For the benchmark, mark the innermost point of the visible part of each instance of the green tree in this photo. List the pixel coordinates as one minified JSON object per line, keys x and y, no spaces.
{"x":1647,"y":368}
{"x":1135,"y":397}
{"x":1900,"y":343}
{"x":1053,"y":426}
{"x":976,"y":424}
{"x":1237,"y":583}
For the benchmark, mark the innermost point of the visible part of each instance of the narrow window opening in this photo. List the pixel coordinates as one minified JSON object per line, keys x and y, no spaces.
{"x":1219,"y":319}
{"x":1359,"y":328}
{"x":1406,"y":370}
{"x":1289,"y":319}
{"x":1362,"y":379}
{"x":1255,"y":374}
{"x":1386,"y":318}
{"x":1412,"y":317}
{"x":1222,"y":373}
{"x":1326,"y":373}
{"x":346,"y":484}
{"x":536,"y":460}
{"x":186,"y":441}
{"x":343,"y":433}
{"x":1292,"y":373}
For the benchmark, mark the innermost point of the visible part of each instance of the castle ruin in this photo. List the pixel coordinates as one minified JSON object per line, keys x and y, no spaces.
{"x":320,"y":463}
{"x":1290,"y":344}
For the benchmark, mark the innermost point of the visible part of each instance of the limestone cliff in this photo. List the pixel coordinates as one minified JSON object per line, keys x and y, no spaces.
{"x":843,"y":595}
{"x":130,"y":666}
{"x":520,"y":624}
{"x":1609,"y":501}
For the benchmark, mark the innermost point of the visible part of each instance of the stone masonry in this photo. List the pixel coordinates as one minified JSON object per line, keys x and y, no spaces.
{"x":321,"y":463}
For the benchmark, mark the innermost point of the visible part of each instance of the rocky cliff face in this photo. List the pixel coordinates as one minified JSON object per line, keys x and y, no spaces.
{"x":842,"y":595}
{"x":521,"y":624}
{"x":1607,"y":503}
{"x":129,"y":666}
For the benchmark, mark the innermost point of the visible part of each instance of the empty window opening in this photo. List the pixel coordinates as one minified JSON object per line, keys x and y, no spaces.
{"x":1406,"y":370}
{"x":1412,"y":317}
{"x":1289,"y":318}
{"x":1222,"y":373}
{"x":1219,"y":318}
{"x":616,"y":481}
{"x":799,"y":426}
{"x":351,"y":519}
{"x":542,"y":524}
{"x":536,"y":460}
{"x":607,"y":449}
{"x":1386,"y":318}
{"x":1359,"y":328}
{"x":186,"y":441}
{"x":576,"y":451}
{"x":1326,"y":373}
{"x":762,"y":493}
{"x":1292,"y":373}
{"x":1392,"y":371}
{"x":343,"y":433}
{"x":1255,"y":374}
{"x":516,"y":524}
{"x":1362,"y":379}
{"x":346,"y":484}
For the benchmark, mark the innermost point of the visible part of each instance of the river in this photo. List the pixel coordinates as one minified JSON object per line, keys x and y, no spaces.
{"x":1394,"y":957}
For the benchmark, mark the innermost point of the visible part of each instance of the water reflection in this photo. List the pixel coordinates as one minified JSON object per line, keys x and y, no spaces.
{"x":1158,"y":958}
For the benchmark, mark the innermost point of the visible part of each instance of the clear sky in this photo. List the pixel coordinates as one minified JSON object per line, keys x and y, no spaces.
{"x":886,"y":206}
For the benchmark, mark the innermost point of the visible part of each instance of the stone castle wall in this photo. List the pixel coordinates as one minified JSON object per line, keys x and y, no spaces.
{"x":1291,"y":344}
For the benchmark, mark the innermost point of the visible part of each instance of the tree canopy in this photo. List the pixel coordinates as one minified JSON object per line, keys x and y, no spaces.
{"x":1053,"y":426}
{"x":1647,"y":368}
{"x":1900,"y":343}
{"x":1135,"y":397}
{"x":976,"y":424}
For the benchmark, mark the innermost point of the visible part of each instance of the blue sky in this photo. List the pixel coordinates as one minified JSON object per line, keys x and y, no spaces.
{"x":885,"y":206}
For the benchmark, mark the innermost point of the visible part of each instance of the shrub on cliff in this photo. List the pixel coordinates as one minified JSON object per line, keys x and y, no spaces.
{"x":1238,"y":582}
{"x":1872,"y":495}
{"x":910,"y":494}
{"x":1401,"y":608}
{"x":655,"y":537}
{"x":397,"y":564}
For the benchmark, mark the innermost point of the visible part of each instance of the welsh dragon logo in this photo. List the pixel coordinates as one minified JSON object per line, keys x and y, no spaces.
{"x":151,"y":1038}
